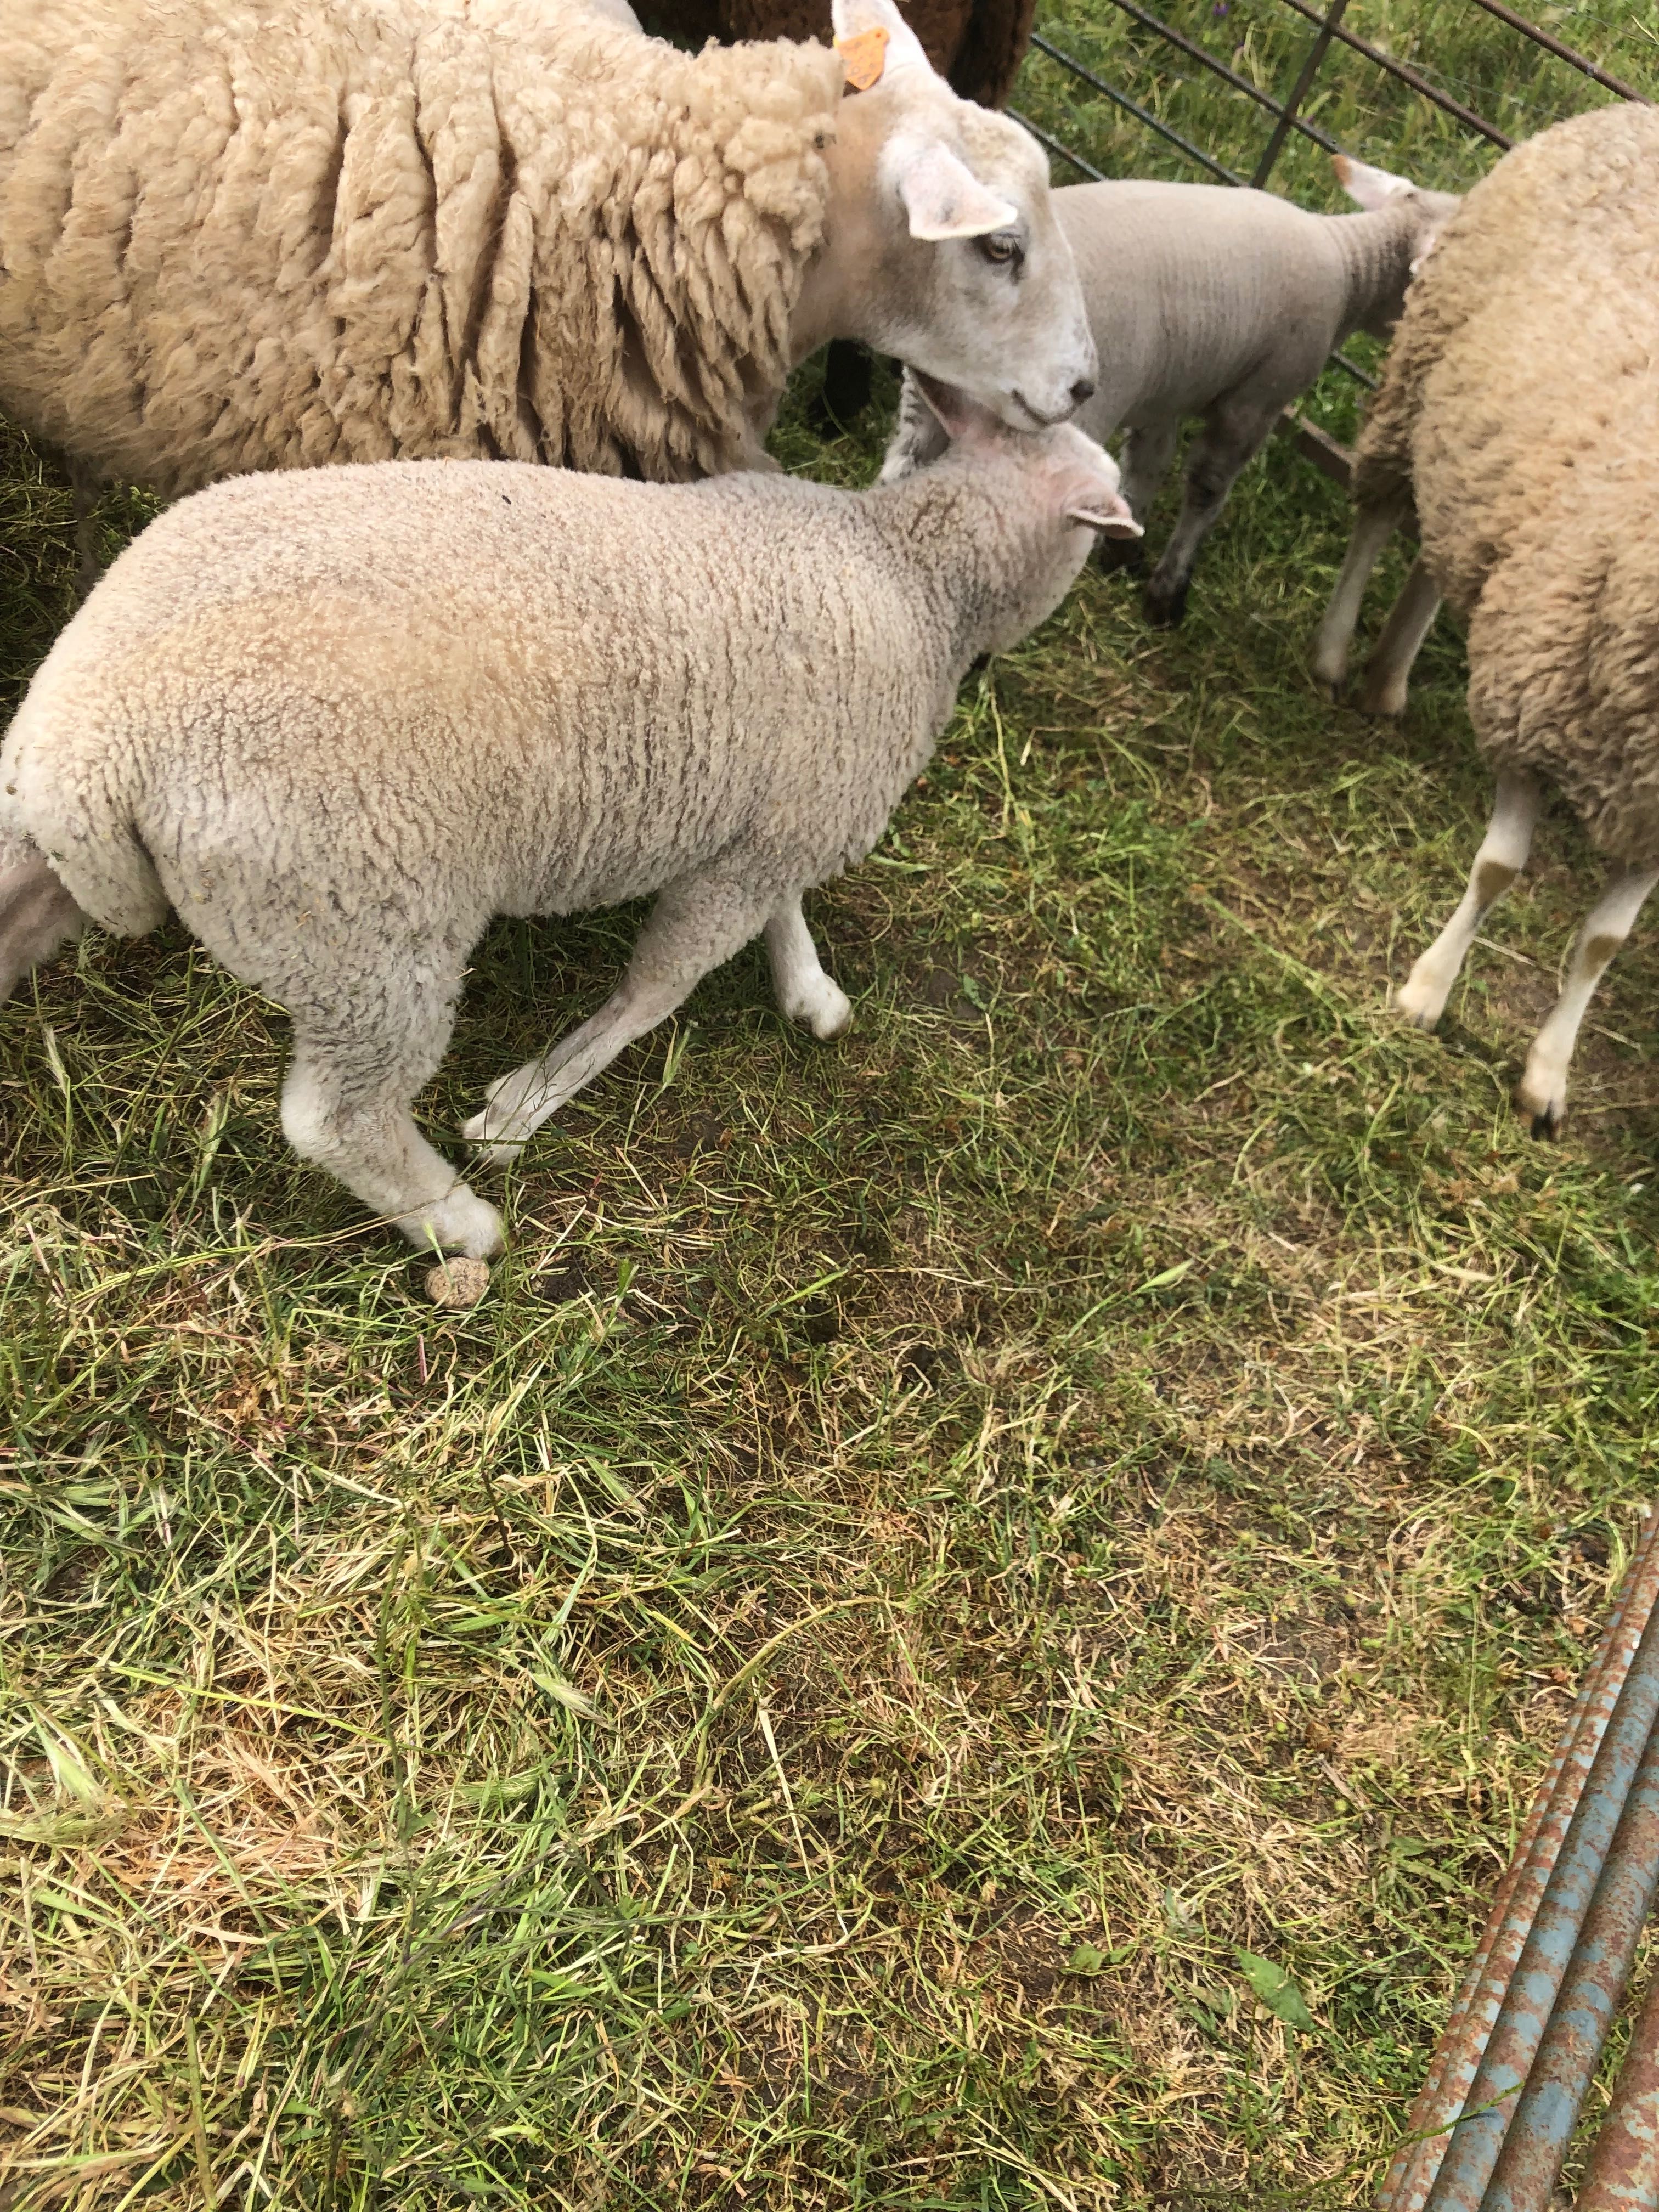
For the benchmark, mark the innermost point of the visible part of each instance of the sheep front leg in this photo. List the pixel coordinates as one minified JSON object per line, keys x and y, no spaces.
{"x":1232,"y":436}
{"x":1389,"y":671}
{"x":345,"y":1107}
{"x":1372,"y":529}
{"x":1542,"y":1094}
{"x":694,"y":927}
{"x":1503,"y":849}
{"x":1148,"y":450}
{"x":805,"y":993}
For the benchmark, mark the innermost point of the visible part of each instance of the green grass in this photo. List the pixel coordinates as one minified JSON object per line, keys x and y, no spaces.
{"x":932,"y":1546}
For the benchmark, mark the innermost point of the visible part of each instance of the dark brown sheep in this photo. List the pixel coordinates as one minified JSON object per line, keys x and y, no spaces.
{"x":977,"y":44}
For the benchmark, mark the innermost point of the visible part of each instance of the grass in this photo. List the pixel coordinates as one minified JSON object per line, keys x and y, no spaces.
{"x":971,"y":1622}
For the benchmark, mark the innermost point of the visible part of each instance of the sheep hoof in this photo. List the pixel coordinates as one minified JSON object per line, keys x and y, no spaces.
{"x":1385,"y":699}
{"x":1417,"y":1005}
{"x":825,"y":1007}
{"x":1544,"y":1118}
{"x":1165,"y":611}
{"x":460,"y":1222}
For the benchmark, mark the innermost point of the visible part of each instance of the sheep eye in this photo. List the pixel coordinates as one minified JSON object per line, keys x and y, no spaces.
{"x":1002,"y":246}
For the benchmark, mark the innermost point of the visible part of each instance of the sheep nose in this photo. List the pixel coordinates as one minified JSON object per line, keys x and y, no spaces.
{"x":1082,"y":389}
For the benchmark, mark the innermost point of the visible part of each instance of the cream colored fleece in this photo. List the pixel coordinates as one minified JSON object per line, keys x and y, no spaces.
{"x":241,"y":234}
{"x":1520,"y":407}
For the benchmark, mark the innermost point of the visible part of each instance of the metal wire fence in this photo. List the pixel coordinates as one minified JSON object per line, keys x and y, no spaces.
{"x":1113,"y":88}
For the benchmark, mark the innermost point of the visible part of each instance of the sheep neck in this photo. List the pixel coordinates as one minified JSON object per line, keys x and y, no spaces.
{"x":833,"y":299}
{"x":1377,"y":249}
{"x":971,"y":559}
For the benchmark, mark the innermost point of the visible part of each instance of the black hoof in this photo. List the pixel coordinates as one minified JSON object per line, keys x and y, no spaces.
{"x":1547,"y":1127}
{"x":1122,"y":557}
{"x":1165,"y":614}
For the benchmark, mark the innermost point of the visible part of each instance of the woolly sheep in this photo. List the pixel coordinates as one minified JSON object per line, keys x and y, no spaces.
{"x":976,"y":45}
{"x":1207,"y":301}
{"x":338,"y":719}
{"x":1521,"y":411}
{"x":236,"y":238}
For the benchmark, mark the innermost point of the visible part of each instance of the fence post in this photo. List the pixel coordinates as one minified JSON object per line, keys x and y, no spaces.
{"x":1299,"y":91}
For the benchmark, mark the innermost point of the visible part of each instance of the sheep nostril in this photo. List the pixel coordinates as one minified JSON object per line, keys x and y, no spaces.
{"x":1082,"y":389}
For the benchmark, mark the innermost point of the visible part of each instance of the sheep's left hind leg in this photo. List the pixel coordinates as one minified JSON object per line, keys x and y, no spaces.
{"x":805,"y":993}
{"x":694,"y":927}
{"x":1542,"y":1094}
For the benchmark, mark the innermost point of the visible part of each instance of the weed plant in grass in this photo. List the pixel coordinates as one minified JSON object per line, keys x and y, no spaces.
{"x":971,"y":1622}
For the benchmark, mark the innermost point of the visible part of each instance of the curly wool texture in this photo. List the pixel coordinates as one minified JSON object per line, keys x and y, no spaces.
{"x":1520,"y":408}
{"x":244,"y":237}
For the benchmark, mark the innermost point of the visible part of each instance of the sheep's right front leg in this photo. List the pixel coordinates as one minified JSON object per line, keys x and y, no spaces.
{"x":1503,"y":849}
{"x":1373,"y":527}
{"x":805,"y":993}
{"x":354,"y":1120}
{"x":694,"y":927}
{"x":1147,"y":453}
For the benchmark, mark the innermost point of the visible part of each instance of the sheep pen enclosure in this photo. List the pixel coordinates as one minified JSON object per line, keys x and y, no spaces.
{"x":970,"y":1622}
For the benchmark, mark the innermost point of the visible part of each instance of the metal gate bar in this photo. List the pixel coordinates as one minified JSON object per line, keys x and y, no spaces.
{"x":1133,"y":107}
{"x":1571,"y":55}
{"x":1408,"y":75}
{"x":1186,"y":45}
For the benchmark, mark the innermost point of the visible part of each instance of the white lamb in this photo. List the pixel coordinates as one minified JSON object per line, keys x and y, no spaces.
{"x":1207,"y":301}
{"x":338,"y":719}
{"x":236,"y":237}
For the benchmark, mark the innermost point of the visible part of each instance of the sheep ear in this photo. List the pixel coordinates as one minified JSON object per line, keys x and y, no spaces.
{"x":942,"y":197}
{"x":1111,"y":517}
{"x":1371,"y":188}
{"x":852,"y":19}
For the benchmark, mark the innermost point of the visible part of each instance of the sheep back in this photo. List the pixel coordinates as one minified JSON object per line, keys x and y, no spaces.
{"x":237,"y":238}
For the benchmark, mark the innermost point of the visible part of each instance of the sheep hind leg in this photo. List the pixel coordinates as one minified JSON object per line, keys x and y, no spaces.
{"x":1542,"y":1093}
{"x":346,"y":1107}
{"x":1232,"y":438}
{"x":1387,"y":673}
{"x":1373,"y":527}
{"x":36,"y":915}
{"x":695,"y":926}
{"x":1503,"y":854}
{"x":805,"y":993}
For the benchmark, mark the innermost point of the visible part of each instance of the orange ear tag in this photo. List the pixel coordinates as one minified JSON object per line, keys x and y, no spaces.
{"x":864,"y":57}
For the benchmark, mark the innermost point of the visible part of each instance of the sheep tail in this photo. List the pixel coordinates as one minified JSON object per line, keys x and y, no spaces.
{"x":36,"y":915}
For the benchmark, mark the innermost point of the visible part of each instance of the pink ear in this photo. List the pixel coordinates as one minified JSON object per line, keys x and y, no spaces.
{"x":1368,"y":187}
{"x":1111,"y":516}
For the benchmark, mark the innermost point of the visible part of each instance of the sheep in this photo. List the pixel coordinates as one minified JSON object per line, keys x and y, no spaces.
{"x":976,"y":45}
{"x":338,"y":719}
{"x":1208,"y":300}
{"x":1520,"y":412}
{"x":234,"y":240}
